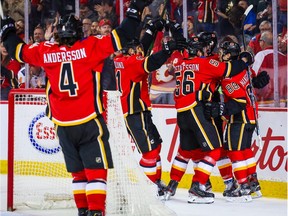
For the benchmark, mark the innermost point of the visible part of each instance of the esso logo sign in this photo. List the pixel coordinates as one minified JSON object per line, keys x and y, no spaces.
{"x":42,"y":135}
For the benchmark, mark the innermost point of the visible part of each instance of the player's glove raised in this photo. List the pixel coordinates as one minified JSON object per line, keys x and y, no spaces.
{"x":261,"y":80}
{"x":213,"y":109}
{"x":248,"y":57}
{"x":136,"y":7}
{"x":7,"y":25}
{"x":169,"y":46}
{"x":155,"y":25}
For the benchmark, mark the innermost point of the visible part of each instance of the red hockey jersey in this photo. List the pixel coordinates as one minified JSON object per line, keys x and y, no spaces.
{"x":73,"y":87}
{"x":235,"y":88}
{"x":193,"y":76}
{"x":132,"y":82}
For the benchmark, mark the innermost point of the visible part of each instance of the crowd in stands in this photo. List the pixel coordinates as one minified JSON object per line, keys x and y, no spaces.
{"x":99,"y":17}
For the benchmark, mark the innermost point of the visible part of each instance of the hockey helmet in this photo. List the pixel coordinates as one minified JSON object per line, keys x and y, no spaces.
{"x":229,"y":47}
{"x":195,"y":44}
{"x":70,"y":27}
{"x":209,"y":39}
{"x":132,"y":47}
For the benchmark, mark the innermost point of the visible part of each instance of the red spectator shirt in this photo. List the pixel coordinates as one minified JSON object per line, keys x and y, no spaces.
{"x":254,"y":43}
{"x":264,"y":62}
{"x":195,"y":75}
{"x":206,"y":11}
{"x":132,"y":82}
{"x":13,"y":66}
{"x":73,"y":87}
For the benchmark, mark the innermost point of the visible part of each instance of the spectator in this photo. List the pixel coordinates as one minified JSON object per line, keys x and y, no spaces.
{"x":20,"y":25}
{"x":190,"y":26}
{"x":266,"y":14}
{"x":9,"y":70}
{"x":250,"y":20}
{"x":224,"y":27}
{"x":178,"y":10}
{"x":86,"y":22}
{"x":282,"y":43}
{"x":99,"y":11}
{"x":37,"y":77}
{"x":207,"y":16}
{"x":21,"y":77}
{"x":38,"y":35}
{"x":105,"y":26}
{"x":94,"y":28}
{"x":109,"y":9}
{"x":36,"y":15}
{"x":282,"y":18}
{"x":235,"y":18}
{"x":86,"y":12}
{"x":254,"y":44}
{"x":264,"y":62}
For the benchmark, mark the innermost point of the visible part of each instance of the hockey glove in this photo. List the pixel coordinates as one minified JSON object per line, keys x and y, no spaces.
{"x":213,"y":109}
{"x":136,"y":7}
{"x":155,"y":25}
{"x":7,"y":25}
{"x":169,"y":46}
{"x":261,"y":80}
{"x":248,"y":57}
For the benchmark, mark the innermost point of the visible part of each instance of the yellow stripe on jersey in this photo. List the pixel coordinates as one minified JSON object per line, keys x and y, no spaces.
{"x":228,"y":69}
{"x":240,"y":100}
{"x":116,"y":40}
{"x":18,"y":51}
{"x":98,"y":92}
{"x":145,"y":131}
{"x":101,"y":144}
{"x":228,"y":137}
{"x":202,"y":129}
{"x":240,"y":136}
{"x":131,"y":98}
{"x":146,"y":65}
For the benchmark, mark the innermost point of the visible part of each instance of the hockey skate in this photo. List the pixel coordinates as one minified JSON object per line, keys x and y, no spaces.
{"x":82,"y":212}
{"x":230,"y":185}
{"x":255,"y":186}
{"x":162,"y":189}
{"x":242,"y":194}
{"x":171,"y":189}
{"x":199,"y":195}
{"x":95,"y":213}
{"x":208,"y":186}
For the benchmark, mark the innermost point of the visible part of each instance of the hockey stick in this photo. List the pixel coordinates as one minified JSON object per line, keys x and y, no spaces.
{"x":250,"y":86}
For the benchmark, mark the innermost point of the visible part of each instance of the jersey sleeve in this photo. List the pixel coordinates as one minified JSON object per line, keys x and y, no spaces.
{"x":103,"y":49}
{"x":26,"y":53}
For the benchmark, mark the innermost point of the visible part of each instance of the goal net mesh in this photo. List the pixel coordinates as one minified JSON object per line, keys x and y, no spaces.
{"x":37,"y":177}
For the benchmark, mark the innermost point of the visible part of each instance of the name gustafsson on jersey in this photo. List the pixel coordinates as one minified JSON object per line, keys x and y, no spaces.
{"x":64,"y":56}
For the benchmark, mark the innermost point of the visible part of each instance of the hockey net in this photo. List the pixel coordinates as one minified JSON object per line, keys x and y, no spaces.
{"x":37,"y":177}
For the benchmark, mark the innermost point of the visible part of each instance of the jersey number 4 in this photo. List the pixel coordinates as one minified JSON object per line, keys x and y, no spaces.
{"x":184,"y":84}
{"x":67,"y":81}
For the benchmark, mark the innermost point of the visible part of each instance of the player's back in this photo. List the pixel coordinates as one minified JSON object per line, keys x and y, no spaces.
{"x":73,"y":77}
{"x":132,"y":82}
{"x":193,"y":76}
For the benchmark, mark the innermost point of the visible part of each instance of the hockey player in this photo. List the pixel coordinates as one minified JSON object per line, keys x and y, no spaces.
{"x":224,"y":164}
{"x":132,"y":70}
{"x":194,"y":77}
{"x":73,"y":67}
{"x":240,"y":126}
{"x":199,"y":47}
